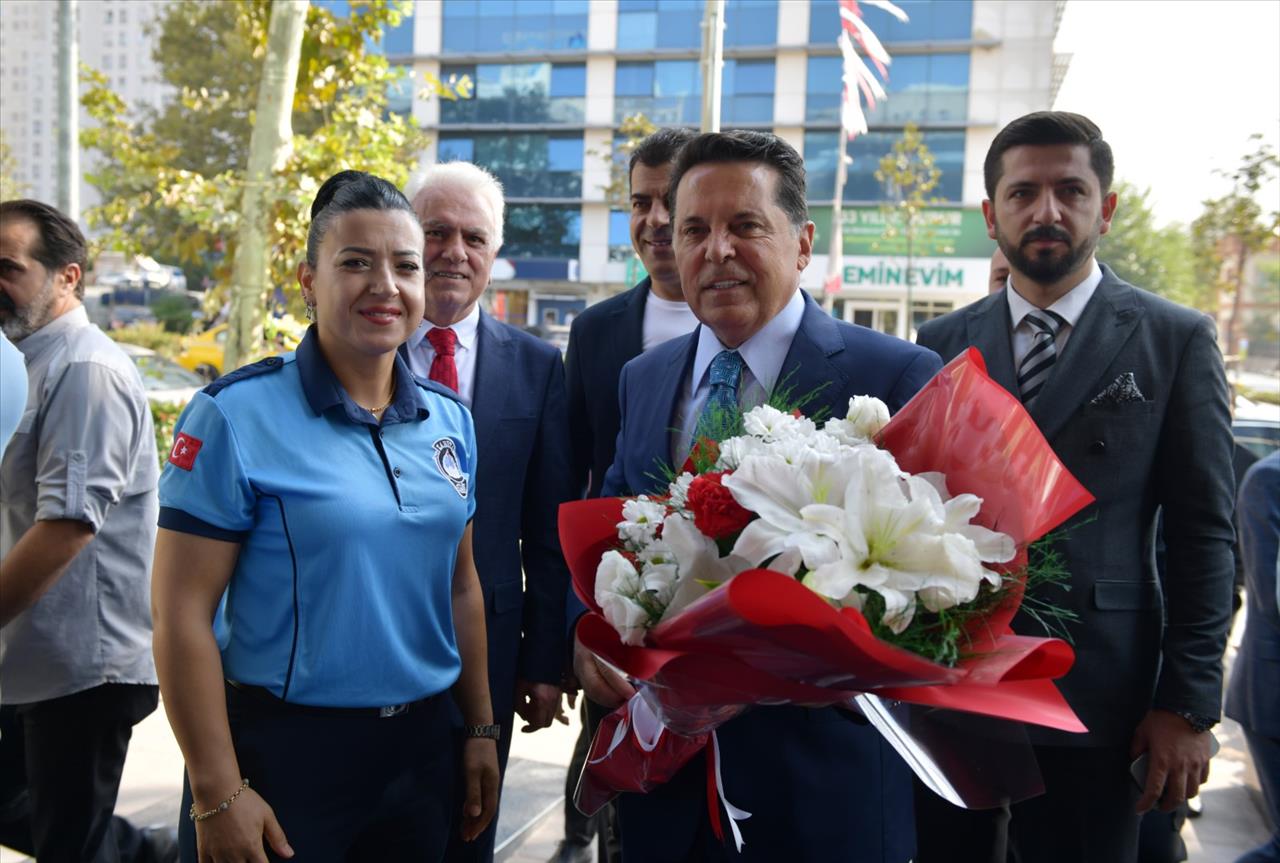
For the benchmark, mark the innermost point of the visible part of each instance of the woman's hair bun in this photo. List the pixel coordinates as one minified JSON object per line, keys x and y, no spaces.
{"x":331,"y":187}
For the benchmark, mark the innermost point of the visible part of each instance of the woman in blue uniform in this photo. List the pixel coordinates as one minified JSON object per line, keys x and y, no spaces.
{"x":316,"y":508}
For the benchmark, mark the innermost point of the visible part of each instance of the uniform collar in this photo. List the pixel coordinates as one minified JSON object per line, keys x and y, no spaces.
{"x":33,"y":344}
{"x":323,"y":390}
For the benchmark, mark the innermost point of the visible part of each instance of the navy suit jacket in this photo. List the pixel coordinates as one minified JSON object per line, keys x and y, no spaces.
{"x":523,"y":475}
{"x":601,"y":341}
{"x":1253,"y":699}
{"x":842,"y":359}
{"x":820,"y":784}
{"x":1140,"y":641}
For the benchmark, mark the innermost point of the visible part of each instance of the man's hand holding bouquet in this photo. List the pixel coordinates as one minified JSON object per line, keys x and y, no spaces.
{"x":815,"y":563}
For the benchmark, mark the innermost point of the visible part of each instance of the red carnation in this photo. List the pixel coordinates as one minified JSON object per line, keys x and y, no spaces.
{"x":715,"y":513}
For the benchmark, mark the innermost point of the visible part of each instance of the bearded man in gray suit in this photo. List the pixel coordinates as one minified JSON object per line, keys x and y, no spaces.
{"x":1130,"y":391}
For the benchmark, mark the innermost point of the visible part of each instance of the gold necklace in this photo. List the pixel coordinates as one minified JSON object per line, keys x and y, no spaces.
{"x":383,"y":407}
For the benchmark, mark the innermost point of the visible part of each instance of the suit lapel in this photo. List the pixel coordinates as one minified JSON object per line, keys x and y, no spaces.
{"x":808,"y":365}
{"x":656,"y":420}
{"x":1108,"y":320}
{"x":495,"y":353}
{"x":629,"y":339}
{"x":989,"y":331}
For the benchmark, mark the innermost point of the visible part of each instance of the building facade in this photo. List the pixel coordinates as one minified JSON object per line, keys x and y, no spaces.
{"x":112,"y":38}
{"x":550,"y":81}
{"x":553,"y":79}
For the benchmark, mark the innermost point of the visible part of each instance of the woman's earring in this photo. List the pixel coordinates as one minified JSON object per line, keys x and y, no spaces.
{"x":311,"y":312}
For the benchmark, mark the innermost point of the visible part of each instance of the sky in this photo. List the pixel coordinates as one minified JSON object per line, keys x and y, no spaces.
{"x":1177,"y":87}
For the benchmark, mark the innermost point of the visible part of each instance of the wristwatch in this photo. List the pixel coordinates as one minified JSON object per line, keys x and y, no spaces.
{"x":493,"y":732}
{"x":1199,"y":724}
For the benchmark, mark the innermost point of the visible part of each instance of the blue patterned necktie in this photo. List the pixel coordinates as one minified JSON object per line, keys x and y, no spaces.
{"x":722,"y":403}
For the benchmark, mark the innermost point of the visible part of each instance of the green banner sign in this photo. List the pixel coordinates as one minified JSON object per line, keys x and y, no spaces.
{"x":944,"y":232}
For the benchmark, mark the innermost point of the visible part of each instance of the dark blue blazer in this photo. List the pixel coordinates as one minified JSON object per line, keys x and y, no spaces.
{"x":1253,"y":698}
{"x":842,"y":359}
{"x":820,"y":784}
{"x":523,"y":475}
{"x":601,"y":341}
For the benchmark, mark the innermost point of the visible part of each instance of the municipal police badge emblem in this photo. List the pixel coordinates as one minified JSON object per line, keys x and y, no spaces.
{"x":449,"y":466}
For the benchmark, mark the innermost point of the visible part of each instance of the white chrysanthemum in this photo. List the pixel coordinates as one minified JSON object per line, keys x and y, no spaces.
{"x":640,"y":520}
{"x":679,"y":490}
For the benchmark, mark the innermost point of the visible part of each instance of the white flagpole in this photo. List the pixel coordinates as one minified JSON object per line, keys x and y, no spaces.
{"x":712,"y":63}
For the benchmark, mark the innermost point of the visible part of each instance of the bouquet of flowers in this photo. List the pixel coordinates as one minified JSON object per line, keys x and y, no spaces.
{"x":806,"y":563}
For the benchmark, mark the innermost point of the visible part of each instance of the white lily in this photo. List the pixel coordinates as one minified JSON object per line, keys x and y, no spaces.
{"x":698,"y":561}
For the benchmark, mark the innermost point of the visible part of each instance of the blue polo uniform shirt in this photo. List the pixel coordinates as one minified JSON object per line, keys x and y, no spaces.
{"x":348,"y":529}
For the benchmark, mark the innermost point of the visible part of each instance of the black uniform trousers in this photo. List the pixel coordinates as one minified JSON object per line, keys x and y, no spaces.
{"x":345,"y":784}
{"x":60,"y":766}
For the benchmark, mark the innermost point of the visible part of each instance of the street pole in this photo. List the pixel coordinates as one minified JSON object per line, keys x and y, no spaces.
{"x":712,"y":63}
{"x":835,"y":246}
{"x":68,"y":113}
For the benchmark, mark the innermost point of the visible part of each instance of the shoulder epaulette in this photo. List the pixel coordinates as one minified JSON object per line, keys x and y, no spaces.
{"x":428,"y":384}
{"x":261,"y":367}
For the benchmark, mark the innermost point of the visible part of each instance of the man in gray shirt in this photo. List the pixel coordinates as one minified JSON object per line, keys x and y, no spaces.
{"x":77,"y":528}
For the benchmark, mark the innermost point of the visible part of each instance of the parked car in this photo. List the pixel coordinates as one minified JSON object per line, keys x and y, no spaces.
{"x":205,"y":353}
{"x":163,"y":379}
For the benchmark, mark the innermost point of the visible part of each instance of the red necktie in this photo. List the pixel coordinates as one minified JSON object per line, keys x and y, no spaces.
{"x":443,"y":369}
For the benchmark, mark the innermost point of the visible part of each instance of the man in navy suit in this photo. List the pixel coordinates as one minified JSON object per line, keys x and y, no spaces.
{"x":601,"y":341}
{"x":820,"y":784}
{"x":1253,"y":699}
{"x":1130,"y":391}
{"x":514,"y":385}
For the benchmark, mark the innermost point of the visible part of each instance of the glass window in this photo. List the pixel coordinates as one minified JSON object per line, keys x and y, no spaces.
{"x":454,"y":149}
{"x":569,"y":80}
{"x":747,"y":95}
{"x":399,"y":40}
{"x":668,"y":92}
{"x":508,"y":25}
{"x":751,"y":22}
{"x":542,"y":231}
{"x":633,"y":79}
{"x":866,"y":152}
{"x":400,"y":91}
{"x":824,"y":84}
{"x":529,"y":165}
{"x":619,"y":235}
{"x":929,"y":20}
{"x":564,"y":154}
{"x":518,"y":93}
{"x":924,"y":88}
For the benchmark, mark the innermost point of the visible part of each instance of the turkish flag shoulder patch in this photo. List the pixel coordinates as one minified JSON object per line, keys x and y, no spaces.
{"x":185,"y":449}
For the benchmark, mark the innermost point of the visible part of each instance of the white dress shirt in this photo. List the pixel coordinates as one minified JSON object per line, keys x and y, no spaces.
{"x":421,"y":354}
{"x":1070,"y":306}
{"x":762,"y":356}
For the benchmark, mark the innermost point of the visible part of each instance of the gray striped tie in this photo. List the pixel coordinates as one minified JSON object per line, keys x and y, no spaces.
{"x":1038,"y":363}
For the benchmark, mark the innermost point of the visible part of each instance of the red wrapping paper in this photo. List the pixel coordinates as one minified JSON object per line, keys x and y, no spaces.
{"x":765,"y":638}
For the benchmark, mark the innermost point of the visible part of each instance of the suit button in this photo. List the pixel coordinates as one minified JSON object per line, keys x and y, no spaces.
{"x":396,"y":471}
{"x":1098,"y":447}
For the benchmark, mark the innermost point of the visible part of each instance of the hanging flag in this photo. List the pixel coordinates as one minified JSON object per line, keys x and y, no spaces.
{"x":859,"y":81}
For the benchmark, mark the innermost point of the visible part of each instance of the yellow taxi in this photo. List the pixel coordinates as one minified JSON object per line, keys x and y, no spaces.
{"x":204,"y":353}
